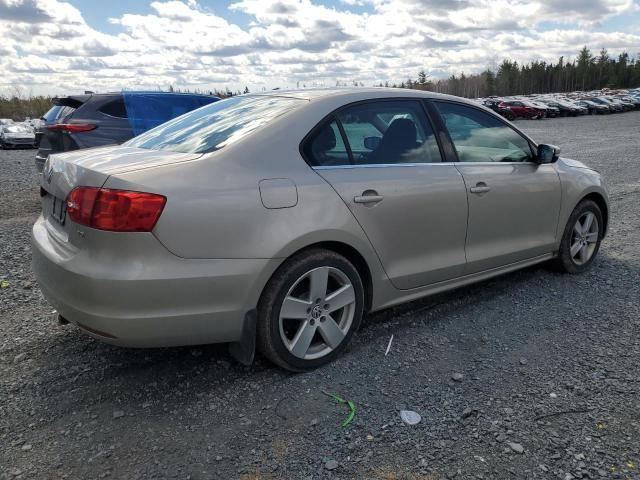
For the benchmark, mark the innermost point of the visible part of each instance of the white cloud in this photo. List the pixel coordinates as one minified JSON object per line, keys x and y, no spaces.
{"x":48,"y":46}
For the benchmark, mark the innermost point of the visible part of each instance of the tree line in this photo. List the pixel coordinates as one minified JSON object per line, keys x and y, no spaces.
{"x":585,"y":72}
{"x":18,"y":108}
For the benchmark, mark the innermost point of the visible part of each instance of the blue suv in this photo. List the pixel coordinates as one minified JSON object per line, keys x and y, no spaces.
{"x":93,"y":120}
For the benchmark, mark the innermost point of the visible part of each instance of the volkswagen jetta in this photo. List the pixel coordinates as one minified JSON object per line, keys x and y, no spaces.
{"x":280,"y":219}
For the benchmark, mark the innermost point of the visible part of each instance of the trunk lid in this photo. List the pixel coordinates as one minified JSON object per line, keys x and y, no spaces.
{"x":91,"y":168}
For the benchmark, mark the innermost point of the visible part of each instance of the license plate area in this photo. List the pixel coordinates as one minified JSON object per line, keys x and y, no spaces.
{"x":58,"y":210}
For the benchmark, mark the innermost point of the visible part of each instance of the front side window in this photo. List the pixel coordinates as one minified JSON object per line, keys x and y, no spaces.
{"x":218,"y":124}
{"x":375,"y":133}
{"x":480,"y":137}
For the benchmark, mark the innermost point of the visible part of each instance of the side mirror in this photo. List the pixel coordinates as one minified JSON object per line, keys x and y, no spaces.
{"x":547,"y":153}
{"x":371,"y":143}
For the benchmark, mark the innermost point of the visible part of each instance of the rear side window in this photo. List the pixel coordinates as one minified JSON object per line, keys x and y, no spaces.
{"x":382,"y":132}
{"x":218,"y":124}
{"x":480,"y":137}
{"x":327,"y":148}
{"x":114,"y":108}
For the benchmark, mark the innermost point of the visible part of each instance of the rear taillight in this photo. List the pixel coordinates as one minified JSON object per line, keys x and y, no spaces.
{"x":72,"y":127}
{"x":114,"y":210}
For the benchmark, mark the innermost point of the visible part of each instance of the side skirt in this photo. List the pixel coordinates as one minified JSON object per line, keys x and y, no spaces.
{"x":415,"y":293}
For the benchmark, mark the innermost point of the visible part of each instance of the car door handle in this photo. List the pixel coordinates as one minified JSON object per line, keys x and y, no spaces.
{"x":480,"y":187}
{"x":368,"y":197}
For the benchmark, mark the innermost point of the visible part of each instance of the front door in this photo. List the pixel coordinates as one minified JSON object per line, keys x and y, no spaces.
{"x":514,"y":202}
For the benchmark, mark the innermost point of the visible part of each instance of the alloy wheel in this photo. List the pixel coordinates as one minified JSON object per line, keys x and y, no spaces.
{"x":584,"y":238}
{"x":317,"y":313}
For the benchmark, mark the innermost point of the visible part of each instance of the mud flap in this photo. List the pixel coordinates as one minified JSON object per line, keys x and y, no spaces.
{"x":244,"y":351}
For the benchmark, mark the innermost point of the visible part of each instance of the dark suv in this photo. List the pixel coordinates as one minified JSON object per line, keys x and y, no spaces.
{"x":92,"y":120}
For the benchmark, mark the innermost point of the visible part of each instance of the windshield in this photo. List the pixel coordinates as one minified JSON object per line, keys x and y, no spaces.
{"x":17,"y":129}
{"x":212,"y":127}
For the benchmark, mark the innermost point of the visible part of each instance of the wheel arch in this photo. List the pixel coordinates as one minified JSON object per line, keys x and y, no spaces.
{"x":350,"y":253}
{"x":599,"y":200}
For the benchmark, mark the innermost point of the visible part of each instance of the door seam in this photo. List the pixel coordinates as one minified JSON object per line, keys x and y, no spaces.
{"x":466,"y":230}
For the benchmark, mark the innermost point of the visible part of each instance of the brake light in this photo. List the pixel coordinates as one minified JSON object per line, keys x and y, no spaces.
{"x":72,"y":127}
{"x":114,"y":210}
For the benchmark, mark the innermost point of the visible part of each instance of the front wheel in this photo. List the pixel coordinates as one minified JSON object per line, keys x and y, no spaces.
{"x":310,"y":310}
{"x":581,"y":239}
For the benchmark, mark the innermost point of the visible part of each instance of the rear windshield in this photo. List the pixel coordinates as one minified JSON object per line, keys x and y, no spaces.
{"x":212,"y":127}
{"x":57,"y":112}
{"x":51,"y":115}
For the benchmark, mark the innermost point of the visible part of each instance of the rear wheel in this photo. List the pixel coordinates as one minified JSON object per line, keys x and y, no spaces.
{"x":581,"y":239}
{"x":310,"y":310}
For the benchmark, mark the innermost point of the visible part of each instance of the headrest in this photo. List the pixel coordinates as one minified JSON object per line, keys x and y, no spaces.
{"x":326,"y":140}
{"x":402,"y":130}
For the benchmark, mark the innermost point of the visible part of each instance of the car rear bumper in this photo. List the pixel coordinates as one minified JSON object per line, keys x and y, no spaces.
{"x":148,"y":297}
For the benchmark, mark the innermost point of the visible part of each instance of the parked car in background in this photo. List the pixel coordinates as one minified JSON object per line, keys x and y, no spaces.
{"x":613,"y":108}
{"x":522,"y":109}
{"x":635,"y":101}
{"x":34,"y":123}
{"x":495,"y":105}
{"x":280,"y":219}
{"x":625,"y":106}
{"x":593,"y":107}
{"x":549,"y":111}
{"x":17,"y":135}
{"x":565,"y":108}
{"x":92,"y":120}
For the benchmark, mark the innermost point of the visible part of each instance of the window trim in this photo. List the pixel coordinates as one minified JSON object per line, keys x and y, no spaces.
{"x":345,"y":142}
{"x":431,"y":102}
{"x":333,"y":116}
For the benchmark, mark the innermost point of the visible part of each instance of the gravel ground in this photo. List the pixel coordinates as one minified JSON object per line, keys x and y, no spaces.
{"x":531,"y":375}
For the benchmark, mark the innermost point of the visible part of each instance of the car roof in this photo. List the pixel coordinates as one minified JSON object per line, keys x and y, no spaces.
{"x":358,"y":93}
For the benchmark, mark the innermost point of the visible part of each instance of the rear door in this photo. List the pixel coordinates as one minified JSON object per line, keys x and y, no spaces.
{"x":383,"y":159}
{"x":514,"y":202}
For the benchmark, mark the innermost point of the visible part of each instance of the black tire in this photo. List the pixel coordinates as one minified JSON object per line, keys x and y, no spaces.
{"x":564,"y":262}
{"x":269,"y":341}
{"x":510,"y":116}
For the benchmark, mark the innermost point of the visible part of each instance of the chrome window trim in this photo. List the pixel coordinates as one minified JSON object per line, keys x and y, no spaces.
{"x":388,"y":165}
